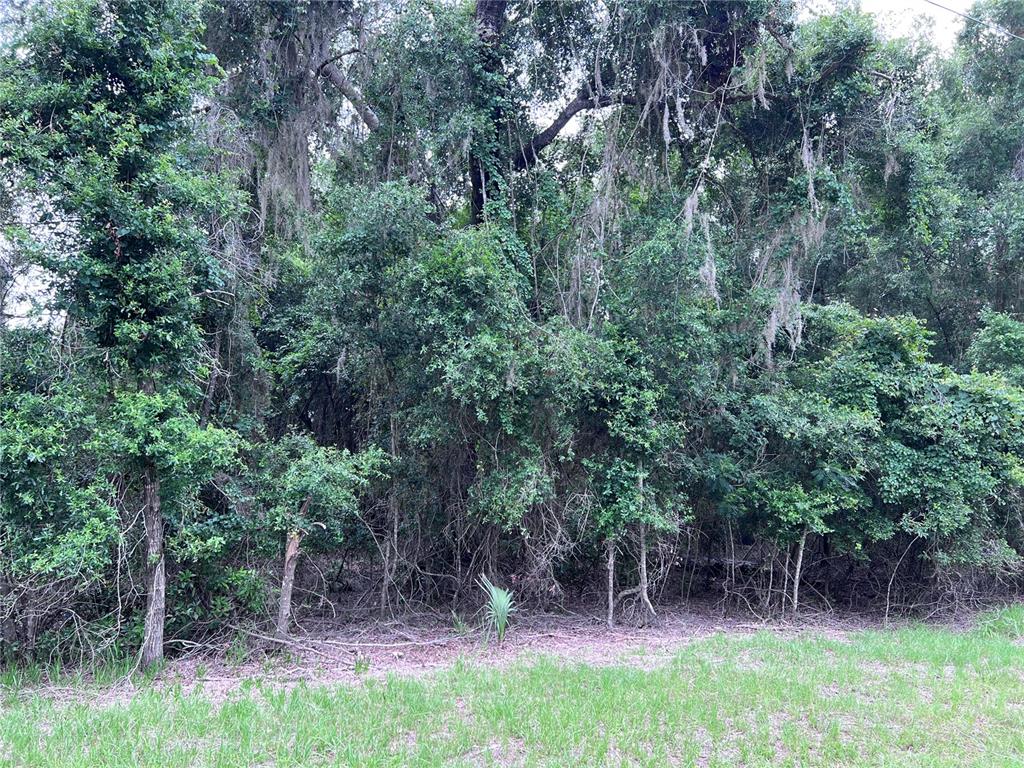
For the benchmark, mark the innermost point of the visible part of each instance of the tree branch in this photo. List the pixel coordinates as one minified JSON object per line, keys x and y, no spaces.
{"x":333,"y":59}
{"x":585,"y":100}
{"x":330,"y":70}
{"x":783,"y":41}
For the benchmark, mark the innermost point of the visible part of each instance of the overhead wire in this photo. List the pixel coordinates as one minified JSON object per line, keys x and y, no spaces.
{"x":976,"y":20}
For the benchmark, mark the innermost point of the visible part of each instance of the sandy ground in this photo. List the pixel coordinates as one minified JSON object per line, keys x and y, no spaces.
{"x":347,"y":653}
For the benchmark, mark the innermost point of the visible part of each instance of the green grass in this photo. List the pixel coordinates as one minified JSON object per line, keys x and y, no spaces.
{"x":912,"y":697}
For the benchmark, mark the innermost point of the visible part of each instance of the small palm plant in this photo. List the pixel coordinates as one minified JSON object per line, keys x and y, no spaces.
{"x":500,"y":606}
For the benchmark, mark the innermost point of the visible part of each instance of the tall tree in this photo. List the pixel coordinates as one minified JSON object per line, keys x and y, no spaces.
{"x":93,"y":115}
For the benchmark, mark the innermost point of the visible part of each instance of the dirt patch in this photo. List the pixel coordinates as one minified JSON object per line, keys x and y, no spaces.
{"x":329,"y":652}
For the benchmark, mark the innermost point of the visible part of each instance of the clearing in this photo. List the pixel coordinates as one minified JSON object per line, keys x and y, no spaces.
{"x":690,"y":692}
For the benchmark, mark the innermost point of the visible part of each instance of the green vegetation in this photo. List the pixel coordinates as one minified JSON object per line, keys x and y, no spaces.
{"x":499,"y":607}
{"x":352,"y":301}
{"x":911,"y":697}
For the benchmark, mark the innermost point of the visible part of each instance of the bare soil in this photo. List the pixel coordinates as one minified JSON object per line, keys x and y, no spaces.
{"x":333,"y":652}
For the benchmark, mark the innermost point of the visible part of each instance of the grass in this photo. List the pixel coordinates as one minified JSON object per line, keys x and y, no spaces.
{"x":911,"y":697}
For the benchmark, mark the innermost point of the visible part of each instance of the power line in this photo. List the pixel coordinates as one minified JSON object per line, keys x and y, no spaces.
{"x":996,"y":27}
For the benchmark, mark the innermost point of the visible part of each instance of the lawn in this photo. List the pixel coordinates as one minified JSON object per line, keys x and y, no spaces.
{"x":920,"y":696}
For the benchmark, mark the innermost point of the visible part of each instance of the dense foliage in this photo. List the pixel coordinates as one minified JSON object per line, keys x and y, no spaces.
{"x":629,"y":300}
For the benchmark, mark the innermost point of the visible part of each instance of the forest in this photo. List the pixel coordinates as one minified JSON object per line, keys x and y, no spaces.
{"x":356,"y":305}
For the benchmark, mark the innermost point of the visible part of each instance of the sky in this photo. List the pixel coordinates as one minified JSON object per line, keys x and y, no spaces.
{"x":903,"y":17}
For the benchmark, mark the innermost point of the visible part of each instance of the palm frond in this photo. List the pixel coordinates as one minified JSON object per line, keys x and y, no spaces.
{"x":499,"y":608}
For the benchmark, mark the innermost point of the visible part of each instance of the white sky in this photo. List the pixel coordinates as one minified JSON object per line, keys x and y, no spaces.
{"x":903,"y":18}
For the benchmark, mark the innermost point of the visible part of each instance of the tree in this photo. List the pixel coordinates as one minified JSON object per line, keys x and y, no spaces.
{"x":93,"y":114}
{"x":310,"y":491}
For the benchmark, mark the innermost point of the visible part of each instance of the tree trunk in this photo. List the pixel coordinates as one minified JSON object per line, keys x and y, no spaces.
{"x":644,"y":596}
{"x":767,"y":599}
{"x":156,"y":577}
{"x":796,"y":574}
{"x":7,"y":624}
{"x":211,"y":382}
{"x":610,"y":548}
{"x":785,"y":579}
{"x":291,"y":557}
{"x":485,"y":159}
{"x":390,"y":549}
{"x":390,"y":557}
{"x":284,"y":606}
